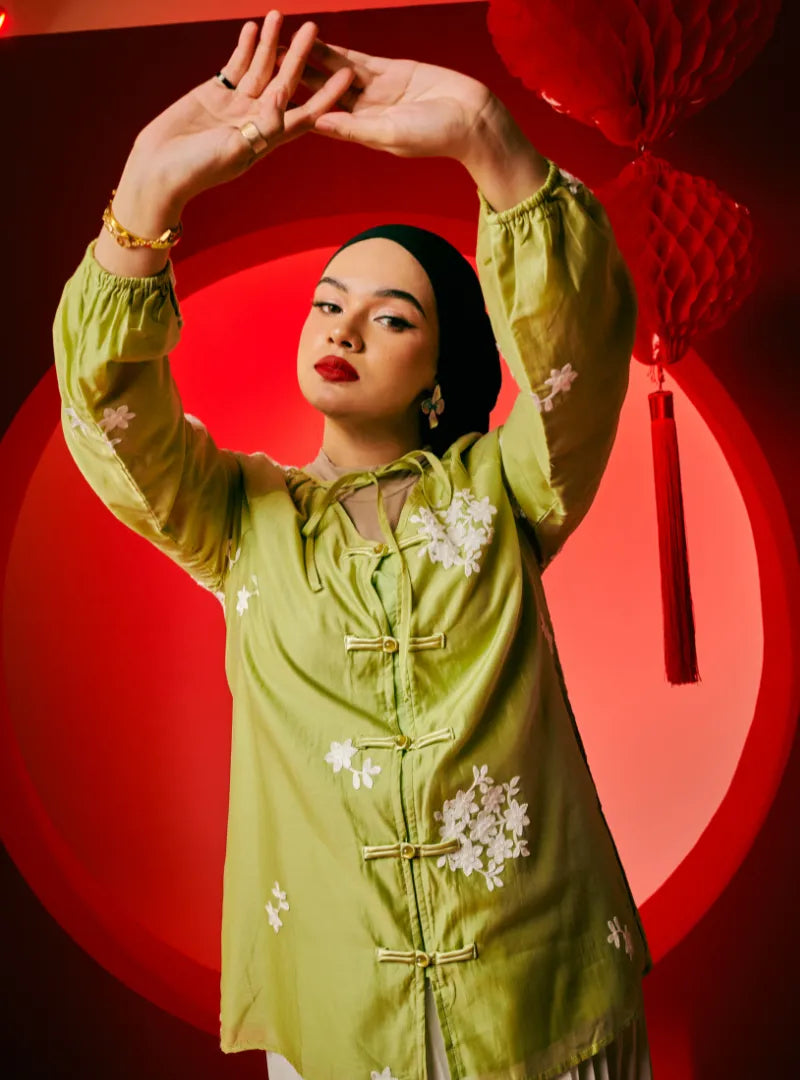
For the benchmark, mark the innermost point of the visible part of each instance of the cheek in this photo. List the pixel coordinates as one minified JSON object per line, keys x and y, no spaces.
{"x":305,"y":343}
{"x":412,"y":372}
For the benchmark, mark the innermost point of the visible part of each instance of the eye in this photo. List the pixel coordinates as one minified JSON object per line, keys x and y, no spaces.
{"x":394,"y":323}
{"x":323,"y":304}
{"x":400,"y":324}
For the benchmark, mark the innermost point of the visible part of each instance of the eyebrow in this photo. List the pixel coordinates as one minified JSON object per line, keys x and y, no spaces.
{"x":400,"y":294}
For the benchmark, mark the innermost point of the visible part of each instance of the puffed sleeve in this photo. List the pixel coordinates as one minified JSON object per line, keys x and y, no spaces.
{"x":563,"y":306}
{"x":157,"y":469}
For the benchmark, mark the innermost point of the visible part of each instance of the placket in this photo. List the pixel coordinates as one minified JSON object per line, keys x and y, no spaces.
{"x":384,"y":580}
{"x":426,"y":956}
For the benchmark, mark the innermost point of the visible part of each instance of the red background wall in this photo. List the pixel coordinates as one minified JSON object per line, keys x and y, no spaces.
{"x":722,"y":1003}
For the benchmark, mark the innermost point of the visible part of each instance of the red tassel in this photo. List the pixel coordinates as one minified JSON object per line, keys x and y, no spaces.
{"x":676,"y":597}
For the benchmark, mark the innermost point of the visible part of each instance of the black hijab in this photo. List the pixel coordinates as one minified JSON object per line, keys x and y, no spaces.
{"x":468,"y":368}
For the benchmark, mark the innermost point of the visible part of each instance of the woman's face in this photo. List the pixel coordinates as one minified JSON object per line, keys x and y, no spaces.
{"x":391,"y":341}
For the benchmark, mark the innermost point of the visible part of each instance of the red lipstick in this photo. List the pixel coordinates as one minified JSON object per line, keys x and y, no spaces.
{"x":336,"y":369}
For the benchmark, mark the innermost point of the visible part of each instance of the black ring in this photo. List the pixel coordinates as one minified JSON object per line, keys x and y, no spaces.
{"x":224,"y":81}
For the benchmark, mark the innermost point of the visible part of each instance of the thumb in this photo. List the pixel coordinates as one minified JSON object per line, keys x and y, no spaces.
{"x":341,"y":125}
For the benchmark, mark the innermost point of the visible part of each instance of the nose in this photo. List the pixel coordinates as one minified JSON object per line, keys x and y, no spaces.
{"x":345,"y":335}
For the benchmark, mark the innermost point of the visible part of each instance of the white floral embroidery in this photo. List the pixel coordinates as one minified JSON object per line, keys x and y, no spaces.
{"x":458,"y":534}
{"x":280,"y":895}
{"x":116,"y":418}
{"x":273,"y":911}
{"x":385,"y":1075}
{"x":560,"y":381}
{"x":570,"y":181}
{"x":340,"y":755}
{"x":76,"y":422}
{"x":275,"y":920}
{"x":494,"y":827}
{"x":112,"y":419}
{"x":109,"y":443}
{"x":365,"y":773}
{"x":233,"y":558}
{"x":244,"y":595}
{"x":618,"y":932}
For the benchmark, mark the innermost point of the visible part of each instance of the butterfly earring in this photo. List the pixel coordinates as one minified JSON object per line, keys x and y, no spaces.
{"x":434,"y":406}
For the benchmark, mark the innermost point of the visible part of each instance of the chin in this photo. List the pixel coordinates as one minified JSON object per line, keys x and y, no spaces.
{"x":329,"y":404}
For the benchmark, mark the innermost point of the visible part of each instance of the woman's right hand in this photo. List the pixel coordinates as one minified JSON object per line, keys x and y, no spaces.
{"x":197,"y":142}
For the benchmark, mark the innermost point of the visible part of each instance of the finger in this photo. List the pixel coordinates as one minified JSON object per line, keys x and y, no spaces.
{"x":240,"y":57}
{"x":301,"y":119}
{"x":315,"y":81}
{"x":294,"y":59}
{"x":336,"y":56}
{"x":368,"y":130}
{"x":259,"y":71}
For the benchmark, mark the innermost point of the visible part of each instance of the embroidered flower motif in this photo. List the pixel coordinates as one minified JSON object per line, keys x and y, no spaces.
{"x":481,"y":510}
{"x":116,"y":418}
{"x":280,"y":896}
{"x":483,"y":828}
{"x":273,"y":910}
{"x":75,"y":421}
{"x":458,"y":534}
{"x":620,"y":932}
{"x":494,"y":798}
{"x":492,"y":827}
{"x":340,"y":755}
{"x":500,"y":848}
{"x":571,"y":182}
{"x":385,"y":1075}
{"x":365,"y":773}
{"x":244,"y":595}
{"x":100,"y":437}
{"x":275,"y":920}
{"x":515,"y":817}
{"x":560,"y":381}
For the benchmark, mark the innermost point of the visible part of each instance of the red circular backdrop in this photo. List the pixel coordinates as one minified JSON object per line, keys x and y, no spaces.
{"x":115,"y":708}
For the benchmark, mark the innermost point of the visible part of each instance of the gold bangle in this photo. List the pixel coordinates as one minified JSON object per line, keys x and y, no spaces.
{"x":127,"y":239}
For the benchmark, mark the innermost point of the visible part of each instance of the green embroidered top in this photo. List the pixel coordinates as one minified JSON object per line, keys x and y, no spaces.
{"x":409,"y":796}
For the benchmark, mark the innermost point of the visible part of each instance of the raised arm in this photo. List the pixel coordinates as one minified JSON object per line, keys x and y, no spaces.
{"x":158,"y":470}
{"x":563,"y":307}
{"x":559,"y":295}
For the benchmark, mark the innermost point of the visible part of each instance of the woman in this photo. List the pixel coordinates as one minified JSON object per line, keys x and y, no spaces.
{"x":419,"y":880}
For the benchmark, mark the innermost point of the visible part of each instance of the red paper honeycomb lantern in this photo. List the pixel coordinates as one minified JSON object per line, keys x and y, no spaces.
{"x":691,"y":251}
{"x":632,"y":68}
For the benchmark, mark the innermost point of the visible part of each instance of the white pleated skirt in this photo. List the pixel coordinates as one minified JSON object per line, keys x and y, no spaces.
{"x":627,"y":1058}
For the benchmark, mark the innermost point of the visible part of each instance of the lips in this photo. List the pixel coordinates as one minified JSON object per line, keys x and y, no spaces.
{"x":336,"y":369}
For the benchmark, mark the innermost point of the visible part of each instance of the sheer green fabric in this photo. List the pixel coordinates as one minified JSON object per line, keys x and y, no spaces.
{"x":409,"y":797}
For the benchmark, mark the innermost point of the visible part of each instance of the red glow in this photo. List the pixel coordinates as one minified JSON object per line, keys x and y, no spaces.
{"x":2,"y":18}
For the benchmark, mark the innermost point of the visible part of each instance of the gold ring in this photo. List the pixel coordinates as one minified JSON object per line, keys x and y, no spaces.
{"x":254,"y":137}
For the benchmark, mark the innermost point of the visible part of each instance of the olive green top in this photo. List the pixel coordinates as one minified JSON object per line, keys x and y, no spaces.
{"x":409,"y":796}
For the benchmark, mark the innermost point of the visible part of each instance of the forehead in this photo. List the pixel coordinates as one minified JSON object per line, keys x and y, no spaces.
{"x":380,"y":262}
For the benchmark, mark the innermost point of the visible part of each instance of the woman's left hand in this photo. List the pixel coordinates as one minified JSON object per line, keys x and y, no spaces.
{"x":405,"y":107}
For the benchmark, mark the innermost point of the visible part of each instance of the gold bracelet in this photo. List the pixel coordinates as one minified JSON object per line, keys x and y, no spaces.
{"x":126,"y":239}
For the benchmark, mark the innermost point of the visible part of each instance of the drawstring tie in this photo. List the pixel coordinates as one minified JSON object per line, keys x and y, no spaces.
{"x":417,"y":460}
